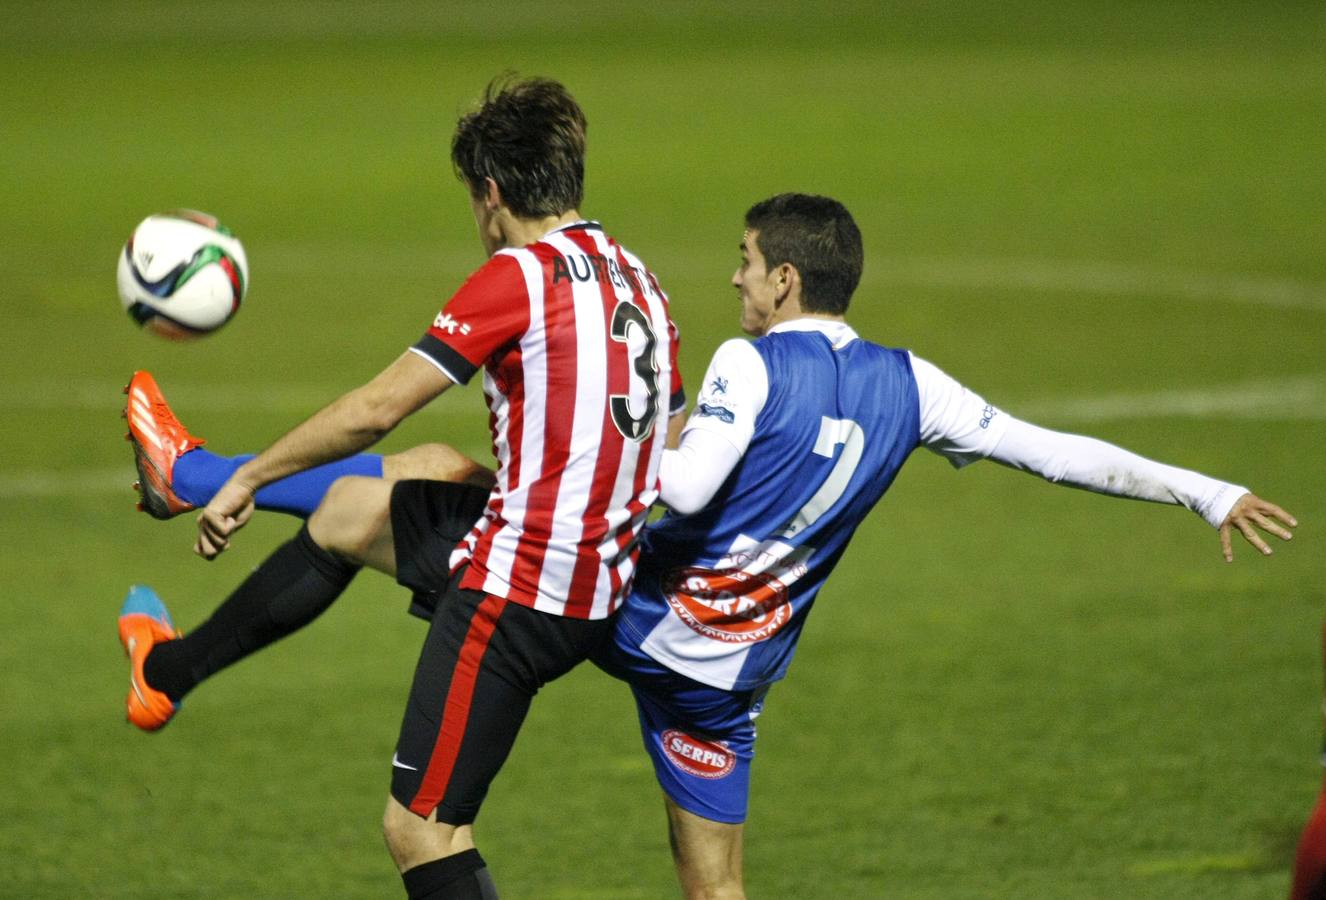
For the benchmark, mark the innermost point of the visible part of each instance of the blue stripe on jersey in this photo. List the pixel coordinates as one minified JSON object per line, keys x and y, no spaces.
{"x":742,"y":573}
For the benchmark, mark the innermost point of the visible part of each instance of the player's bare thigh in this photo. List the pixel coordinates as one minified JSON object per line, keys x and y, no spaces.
{"x":354,"y":518}
{"x":354,"y":521}
{"x":707,"y":855}
{"x":436,"y":462}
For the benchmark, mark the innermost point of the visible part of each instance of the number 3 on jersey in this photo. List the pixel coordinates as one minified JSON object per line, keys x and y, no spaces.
{"x":635,"y":428}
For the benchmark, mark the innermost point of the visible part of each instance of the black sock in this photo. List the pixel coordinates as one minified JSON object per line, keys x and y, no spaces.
{"x":290,"y":589}
{"x":463,"y":876}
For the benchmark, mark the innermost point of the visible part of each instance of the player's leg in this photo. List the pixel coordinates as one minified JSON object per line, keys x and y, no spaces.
{"x":707,"y":854}
{"x":456,"y":703}
{"x":701,"y":740}
{"x":351,"y":528}
{"x":176,"y":474}
{"x":290,"y":589}
{"x":483,"y":660}
{"x":354,"y":522}
{"x":437,"y":861}
{"x":436,"y":462}
{"x":1310,"y":860}
{"x":200,"y":474}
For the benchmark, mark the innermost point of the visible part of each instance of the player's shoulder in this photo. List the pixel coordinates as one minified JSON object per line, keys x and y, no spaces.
{"x":498,"y":284}
{"x":503,"y":267}
{"x":923,"y":370}
{"x":739,"y":352}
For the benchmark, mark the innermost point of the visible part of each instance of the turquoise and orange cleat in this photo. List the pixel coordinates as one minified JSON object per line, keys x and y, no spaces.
{"x":144,"y":623}
{"x":159,"y":439}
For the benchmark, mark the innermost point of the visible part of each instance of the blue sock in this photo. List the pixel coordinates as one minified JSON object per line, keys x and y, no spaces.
{"x":199,"y":474}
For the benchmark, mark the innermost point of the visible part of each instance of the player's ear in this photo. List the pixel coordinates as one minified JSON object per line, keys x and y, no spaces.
{"x":492,"y":195}
{"x":787,"y":282}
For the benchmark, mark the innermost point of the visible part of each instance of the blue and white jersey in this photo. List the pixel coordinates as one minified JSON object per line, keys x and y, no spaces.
{"x":824,"y":421}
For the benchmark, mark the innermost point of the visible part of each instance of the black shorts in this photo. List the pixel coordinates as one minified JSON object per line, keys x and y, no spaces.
{"x":428,"y":520}
{"x":482,"y":663}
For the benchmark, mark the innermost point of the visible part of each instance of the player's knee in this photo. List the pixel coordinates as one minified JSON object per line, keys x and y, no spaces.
{"x":707,"y":855}
{"x":706,"y":877}
{"x":725,"y":887}
{"x":348,"y":517}
{"x":413,"y":840}
{"x":436,"y":462}
{"x":394,"y":831}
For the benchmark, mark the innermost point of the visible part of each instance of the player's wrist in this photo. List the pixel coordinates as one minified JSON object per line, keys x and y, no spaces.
{"x":248,"y":478}
{"x":1217,"y":508}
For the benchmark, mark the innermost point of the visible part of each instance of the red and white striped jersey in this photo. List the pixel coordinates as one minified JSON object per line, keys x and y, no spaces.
{"x":579,"y":359}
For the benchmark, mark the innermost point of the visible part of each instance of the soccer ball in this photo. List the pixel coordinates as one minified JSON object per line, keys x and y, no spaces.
{"x":182,"y":274}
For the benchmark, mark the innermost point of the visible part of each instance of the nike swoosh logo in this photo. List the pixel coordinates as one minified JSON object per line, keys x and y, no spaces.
{"x":396,"y":761}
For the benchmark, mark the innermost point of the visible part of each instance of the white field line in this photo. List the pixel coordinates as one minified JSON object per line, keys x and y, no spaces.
{"x":1299,"y":398}
{"x":439,"y":267}
{"x":1100,"y":278}
{"x":1292,"y":399}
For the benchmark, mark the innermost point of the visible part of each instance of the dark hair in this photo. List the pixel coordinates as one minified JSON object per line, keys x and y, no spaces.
{"x":818,"y":237}
{"x":528,"y":135}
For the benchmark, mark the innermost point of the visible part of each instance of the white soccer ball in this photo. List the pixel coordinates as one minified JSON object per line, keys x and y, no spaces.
{"x":182,"y":274}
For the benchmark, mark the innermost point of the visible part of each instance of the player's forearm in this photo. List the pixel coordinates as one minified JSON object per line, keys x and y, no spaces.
{"x":347,"y":426}
{"x":691,"y":475}
{"x":352,"y":423}
{"x":1104,"y":468}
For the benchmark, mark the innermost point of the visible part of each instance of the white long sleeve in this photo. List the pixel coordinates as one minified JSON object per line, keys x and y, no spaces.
{"x":1099,"y":466}
{"x":690,"y":475}
{"x":959,"y":425}
{"x":720,"y":429}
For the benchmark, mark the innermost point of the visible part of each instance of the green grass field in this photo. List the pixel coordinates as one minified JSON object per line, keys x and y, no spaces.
{"x":1105,"y":217}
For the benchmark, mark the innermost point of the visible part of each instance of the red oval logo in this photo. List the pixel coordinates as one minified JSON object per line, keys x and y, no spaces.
{"x":733,"y":607}
{"x":707,"y":759}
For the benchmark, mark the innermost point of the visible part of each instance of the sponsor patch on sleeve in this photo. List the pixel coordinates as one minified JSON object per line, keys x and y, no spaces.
{"x":722,"y":413}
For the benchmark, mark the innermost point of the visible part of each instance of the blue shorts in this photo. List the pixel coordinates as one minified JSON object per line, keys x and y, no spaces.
{"x":700,"y":738}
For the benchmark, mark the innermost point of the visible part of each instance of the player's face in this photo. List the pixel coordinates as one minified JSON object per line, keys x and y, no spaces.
{"x":757,"y":287}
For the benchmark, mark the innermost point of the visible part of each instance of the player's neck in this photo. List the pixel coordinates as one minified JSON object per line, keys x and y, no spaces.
{"x":792,"y":312}
{"x":520,"y":232}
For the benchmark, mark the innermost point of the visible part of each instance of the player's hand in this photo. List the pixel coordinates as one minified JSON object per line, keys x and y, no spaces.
{"x":229,"y":510}
{"x":1249,"y":514}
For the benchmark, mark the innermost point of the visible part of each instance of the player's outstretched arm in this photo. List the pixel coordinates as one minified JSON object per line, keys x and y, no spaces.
{"x":1249,"y":514}
{"x":1095,"y":465}
{"x":350,"y":424}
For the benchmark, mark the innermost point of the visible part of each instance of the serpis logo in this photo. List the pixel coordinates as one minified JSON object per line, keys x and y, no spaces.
{"x":733,"y":607}
{"x":707,"y":759}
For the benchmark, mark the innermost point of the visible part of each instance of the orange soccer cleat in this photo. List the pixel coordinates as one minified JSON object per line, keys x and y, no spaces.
{"x":144,"y":623}
{"x":159,"y":439}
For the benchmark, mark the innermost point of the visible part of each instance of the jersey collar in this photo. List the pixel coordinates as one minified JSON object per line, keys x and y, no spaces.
{"x":578,"y":225}
{"x":839,"y":334}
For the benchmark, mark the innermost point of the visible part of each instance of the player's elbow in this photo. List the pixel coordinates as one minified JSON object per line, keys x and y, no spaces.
{"x":682,"y":507}
{"x":686,"y":499}
{"x":372,"y":417}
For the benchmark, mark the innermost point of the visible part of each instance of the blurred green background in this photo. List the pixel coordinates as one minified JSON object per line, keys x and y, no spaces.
{"x":1104,"y":217}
